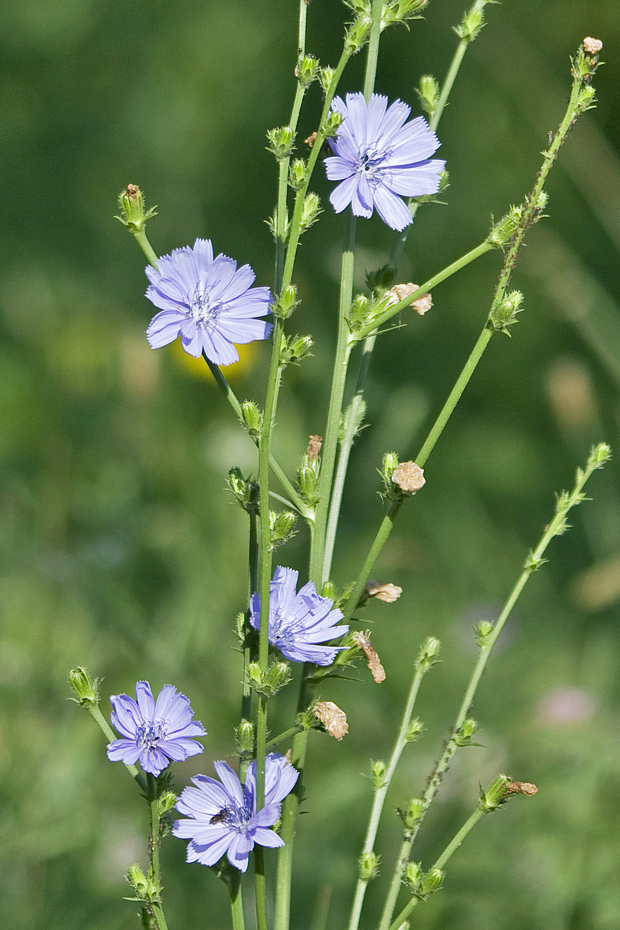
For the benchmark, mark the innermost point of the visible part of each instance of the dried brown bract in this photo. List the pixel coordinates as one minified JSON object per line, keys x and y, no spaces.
{"x":372,"y":657}
{"x":333,"y":719}
{"x":314,"y":447}
{"x":388,"y":593}
{"x":400,"y":291}
{"x":592,"y":46}
{"x":408,"y":477}
{"x":521,"y":787}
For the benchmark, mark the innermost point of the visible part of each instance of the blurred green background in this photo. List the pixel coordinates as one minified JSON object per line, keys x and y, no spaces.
{"x":121,"y":549}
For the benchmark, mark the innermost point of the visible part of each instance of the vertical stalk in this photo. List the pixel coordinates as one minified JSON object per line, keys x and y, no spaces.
{"x":154,"y":874}
{"x":236,"y":901}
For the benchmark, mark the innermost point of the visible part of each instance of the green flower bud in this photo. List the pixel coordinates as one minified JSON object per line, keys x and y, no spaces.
{"x":255,"y":677}
{"x":332,"y":123}
{"x":430,"y":882}
{"x":390,"y":463}
{"x":357,"y":33}
{"x":483,"y":631}
{"x":463,"y":736}
{"x":360,"y":312}
{"x":504,"y":315}
{"x":599,"y":456}
{"x":166,"y":802}
{"x":298,"y":174}
{"x":472,"y":23}
{"x":131,"y":204}
{"x":311,"y":211}
{"x":281,"y":141}
{"x":86,"y":691}
{"x":307,"y":478}
{"x":502,"y":232}
{"x":491,"y":799}
{"x":138,"y":881}
{"x":428,"y":93}
{"x":414,"y":731}
{"x":411,"y":875}
{"x":281,"y":525}
{"x":377,"y":773}
{"x":369,"y":866}
{"x":252,"y":418}
{"x":244,"y":489}
{"x":326,"y":76}
{"x":296,"y":348}
{"x":307,"y":70}
{"x":286,"y":302}
{"x":413,"y":812}
{"x":427,"y":656}
{"x":278,"y":675}
{"x":244,"y":736}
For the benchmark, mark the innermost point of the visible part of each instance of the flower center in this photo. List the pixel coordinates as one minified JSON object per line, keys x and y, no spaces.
{"x":149,"y":734}
{"x":370,"y":163}
{"x":238,"y":817}
{"x":202,"y":309}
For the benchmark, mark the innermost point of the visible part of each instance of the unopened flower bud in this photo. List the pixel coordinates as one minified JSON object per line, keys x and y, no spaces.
{"x":369,"y":866}
{"x":357,"y":33}
{"x":374,"y":663}
{"x":252,"y":418}
{"x":377,"y":773}
{"x":412,"y":874}
{"x":244,"y":489}
{"x":326,"y":76}
{"x":504,"y":315}
{"x":138,"y":881}
{"x":131,"y":204}
{"x":390,"y":462}
{"x":332,"y":123}
{"x":463,"y":736}
{"x":409,"y":477}
{"x":430,"y":882}
{"x":360,"y":310}
{"x":306,"y":70}
{"x":298,"y":174}
{"x":278,"y":675}
{"x":244,"y":736}
{"x":311,"y":211}
{"x":388,"y":593}
{"x":334,"y":719}
{"x":414,"y":731}
{"x":503,"y":231}
{"x":166,"y":802}
{"x":307,"y":479}
{"x":296,"y":348}
{"x":483,"y":631}
{"x":381,"y":278}
{"x":428,"y":92}
{"x":86,"y":691}
{"x":414,"y":812}
{"x":329,"y":590}
{"x":282,"y":525}
{"x":286,"y":302}
{"x":493,"y":796}
{"x":427,"y":657}
{"x":471,"y":25}
{"x":281,"y":141}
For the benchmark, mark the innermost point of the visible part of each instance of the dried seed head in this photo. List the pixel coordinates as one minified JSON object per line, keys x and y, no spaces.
{"x":521,"y":787}
{"x":592,"y":46}
{"x":314,"y":447}
{"x":388,"y":593}
{"x":400,"y":291}
{"x":408,"y":477}
{"x":374,"y":663}
{"x":333,"y":719}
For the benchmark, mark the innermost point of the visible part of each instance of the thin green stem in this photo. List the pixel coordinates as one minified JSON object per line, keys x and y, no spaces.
{"x":262,"y":919}
{"x":142,"y":240}
{"x":382,"y":790}
{"x":372,"y":55}
{"x":282,"y":737}
{"x":303,"y":16}
{"x":110,"y":735}
{"x":556,"y":527}
{"x":236,"y":901}
{"x":330,"y":444}
{"x":154,"y":841}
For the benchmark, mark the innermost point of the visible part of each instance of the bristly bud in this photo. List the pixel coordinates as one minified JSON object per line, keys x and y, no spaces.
{"x":329,"y":590}
{"x":277,"y":675}
{"x":464,"y":734}
{"x":399,"y":11}
{"x":357,"y":34}
{"x":377,"y":773}
{"x":372,"y":657}
{"x":369,"y":866}
{"x":430,"y":882}
{"x":281,"y":527}
{"x":585,"y":62}
{"x":483,"y":632}
{"x":281,"y":142}
{"x":286,"y":302}
{"x":359,"y":313}
{"x":503,"y":231}
{"x":326,"y":76}
{"x":131,"y":205}
{"x":414,"y":731}
{"x":333,"y":719}
{"x":298,"y":174}
{"x":308,"y":478}
{"x":491,"y":799}
{"x":166,"y":802}
{"x":307,"y":70}
{"x":295,"y":348}
{"x":408,"y":477}
{"x":411,"y":876}
{"x":599,"y":456}
{"x":311,"y":211}
{"x":504,"y":315}
{"x":244,"y":737}
{"x":470,"y":25}
{"x":252,"y":418}
{"x":413,"y":812}
{"x":332,"y":123}
{"x":381,"y":279}
{"x":245,"y":490}
{"x":390,"y":463}
{"x":138,"y":881}
{"x":428,"y":94}
{"x":86,"y":691}
{"x":427,"y":656}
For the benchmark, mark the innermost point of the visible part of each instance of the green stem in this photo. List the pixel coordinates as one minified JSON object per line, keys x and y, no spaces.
{"x":556,"y":527}
{"x":382,"y":790}
{"x":154,"y":841}
{"x":236,"y":901}
{"x":282,"y":737}
{"x":330,"y":444}
{"x":110,"y":735}
{"x":142,"y":240}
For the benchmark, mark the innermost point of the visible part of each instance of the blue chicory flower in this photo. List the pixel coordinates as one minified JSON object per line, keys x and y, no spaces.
{"x":207,"y":301}
{"x":223,"y":818}
{"x":379,"y":160}
{"x":154,"y":732}
{"x":297,"y":621}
